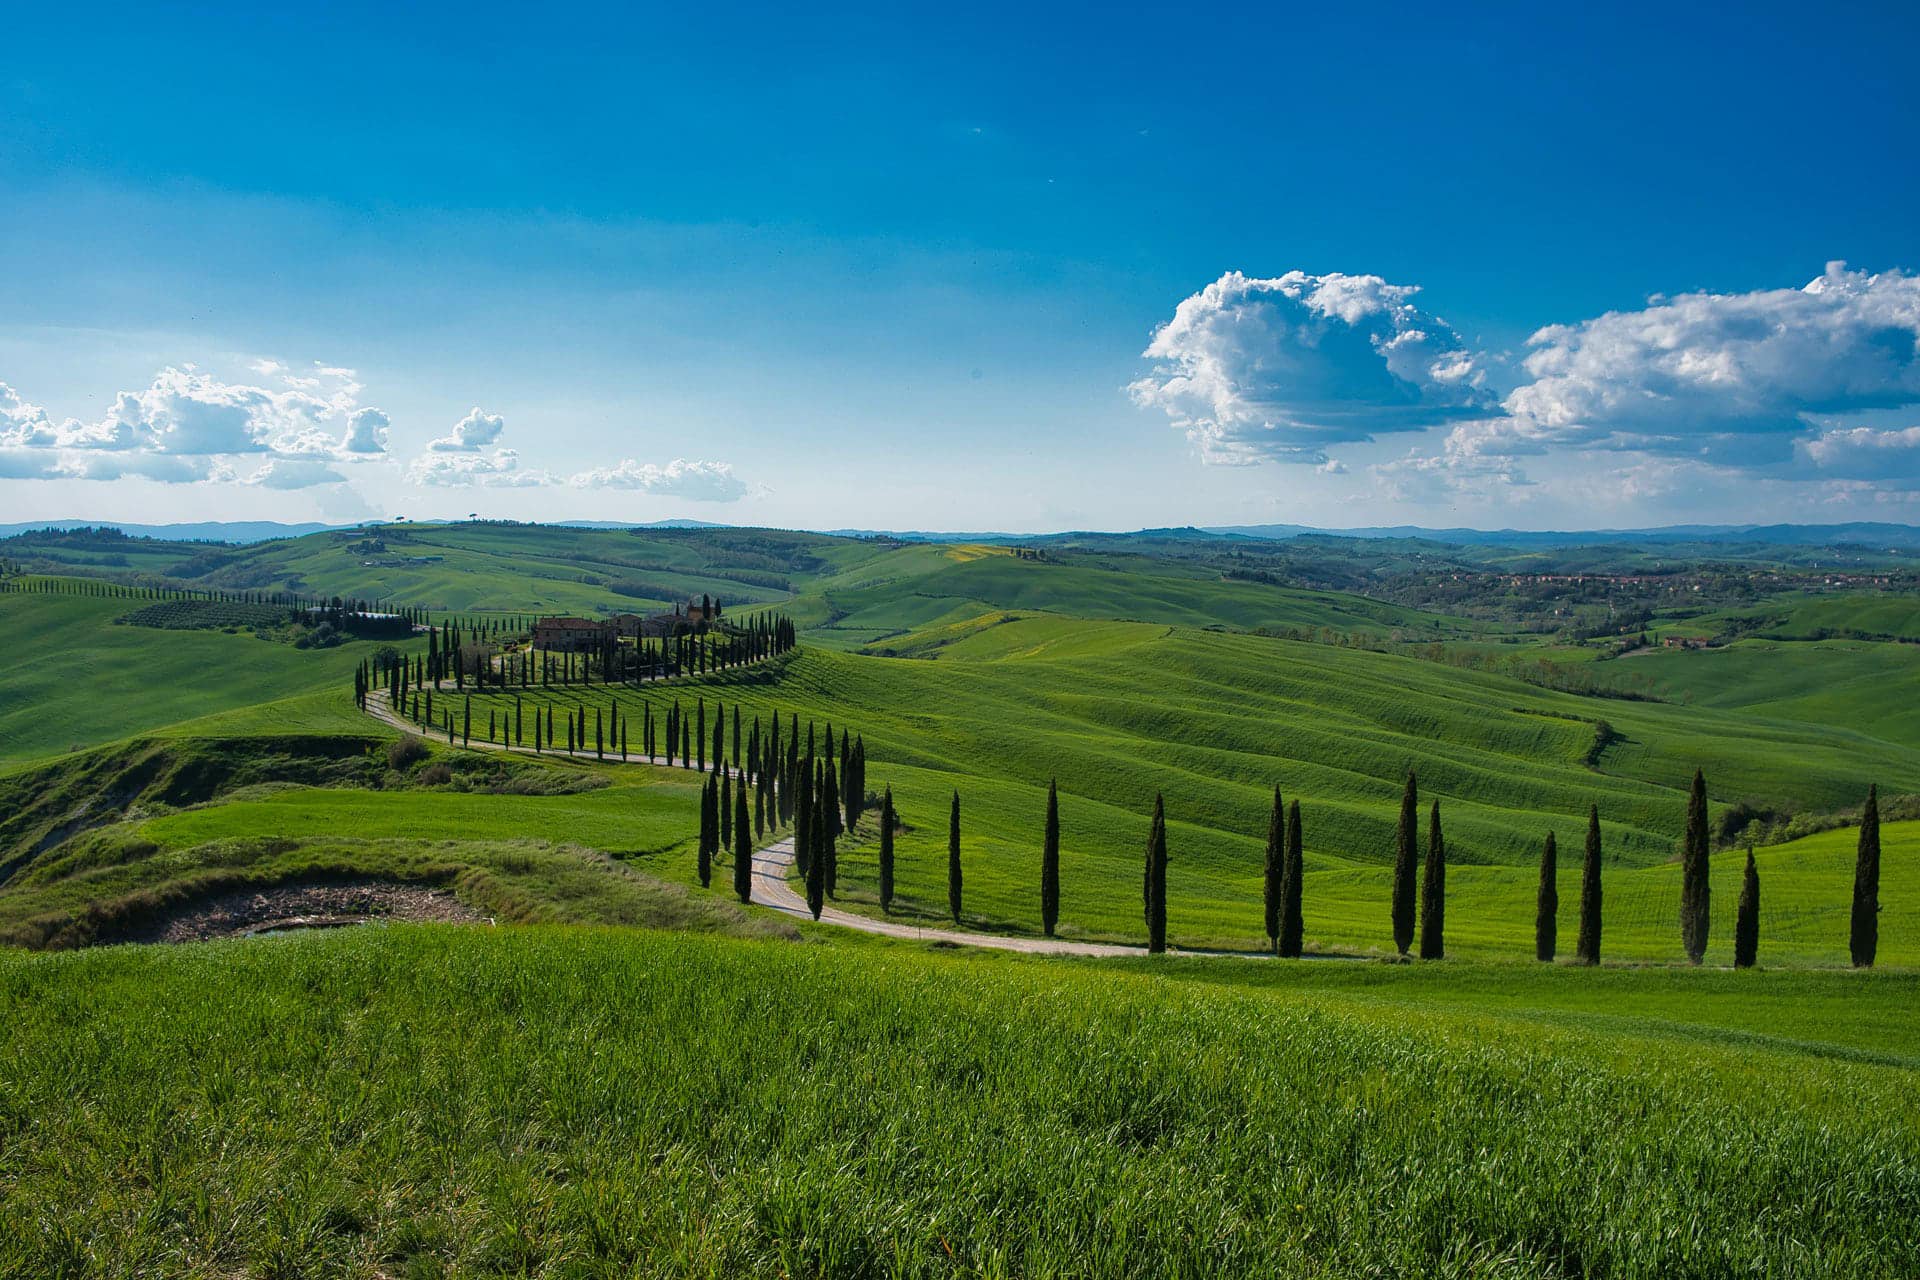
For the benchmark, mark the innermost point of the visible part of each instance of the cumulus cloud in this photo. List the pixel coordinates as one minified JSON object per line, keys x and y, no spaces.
{"x":366,"y":431}
{"x":681,"y":478}
{"x":294,"y":473}
{"x":1284,"y":368}
{"x":1693,"y":388}
{"x":497,"y":470}
{"x":471,"y":434}
{"x":28,"y":464}
{"x":1864,"y":453}
{"x":1685,"y":374}
{"x":161,"y":467}
{"x":1464,"y":468}
{"x":173,"y":429}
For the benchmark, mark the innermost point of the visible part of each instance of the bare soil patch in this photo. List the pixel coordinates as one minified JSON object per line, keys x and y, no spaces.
{"x":290,"y":907}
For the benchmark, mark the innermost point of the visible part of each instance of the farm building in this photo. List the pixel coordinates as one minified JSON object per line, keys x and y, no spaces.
{"x":695,"y":615}
{"x":571,"y":635}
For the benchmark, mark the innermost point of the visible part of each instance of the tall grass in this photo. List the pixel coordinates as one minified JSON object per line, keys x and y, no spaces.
{"x":432,"y":1101}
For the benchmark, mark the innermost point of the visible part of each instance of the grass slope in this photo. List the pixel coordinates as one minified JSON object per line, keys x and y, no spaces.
{"x":416,"y":1101}
{"x":919,"y":586}
{"x":94,"y":847}
{"x":1870,"y":686}
{"x":75,"y":679}
{"x":539,"y":568}
{"x":1214,"y":721}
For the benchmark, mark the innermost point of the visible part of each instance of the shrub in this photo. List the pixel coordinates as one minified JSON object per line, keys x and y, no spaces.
{"x":435,"y":775}
{"x":406,"y":753}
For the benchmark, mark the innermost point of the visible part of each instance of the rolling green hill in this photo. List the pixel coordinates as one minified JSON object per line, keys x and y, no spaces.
{"x":575,"y":1083}
{"x":74,"y":679}
{"x":875,"y":609}
{"x":1215,"y":721}
{"x":1869,"y":686}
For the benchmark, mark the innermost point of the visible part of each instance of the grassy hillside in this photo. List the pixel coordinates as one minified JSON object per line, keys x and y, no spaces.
{"x":98,"y":846}
{"x":537,"y":568}
{"x":1797,"y":615}
{"x":431,"y":1101}
{"x":1870,"y":686}
{"x":874,"y":609}
{"x":1215,"y":721}
{"x":1116,"y":711}
{"x":74,"y":679}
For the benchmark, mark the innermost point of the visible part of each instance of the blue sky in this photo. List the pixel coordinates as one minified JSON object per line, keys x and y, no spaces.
{"x":884,"y":269}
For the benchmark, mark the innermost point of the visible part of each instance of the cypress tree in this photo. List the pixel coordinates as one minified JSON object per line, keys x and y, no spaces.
{"x":1293,"y":927}
{"x":1405,"y":864}
{"x":1864,"y":939}
{"x":1587,"y":948}
{"x":802,"y":819}
{"x":857,"y":793}
{"x":1546,"y":904}
{"x":1274,"y":871}
{"x":886,"y":851}
{"x":953,"y":859}
{"x":816,"y":864}
{"x":742,"y":847}
{"x":1694,"y":890}
{"x":726,"y":811}
{"x":830,"y":809}
{"x":707,"y":833}
{"x":1433,"y":892}
{"x":833,"y":798}
{"x":1049,"y":862}
{"x":1157,"y":879}
{"x":1746,"y":920}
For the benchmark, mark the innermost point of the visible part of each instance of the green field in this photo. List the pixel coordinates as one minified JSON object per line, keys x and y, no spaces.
{"x":438,"y":1101}
{"x":627,"y":1073}
{"x":75,"y":679}
{"x":1214,"y":721}
{"x":1865,"y":685}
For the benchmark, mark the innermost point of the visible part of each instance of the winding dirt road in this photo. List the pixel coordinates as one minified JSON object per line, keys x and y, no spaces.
{"x":772,"y":864}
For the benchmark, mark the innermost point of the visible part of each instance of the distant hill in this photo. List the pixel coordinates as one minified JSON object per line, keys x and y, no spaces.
{"x":233,"y":531}
{"x":1797,"y":535}
{"x":1876,"y":535}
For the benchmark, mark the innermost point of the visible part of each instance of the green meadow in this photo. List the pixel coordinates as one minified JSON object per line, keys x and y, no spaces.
{"x":623,"y":1072}
{"x":75,"y":679}
{"x":444,"y":1101}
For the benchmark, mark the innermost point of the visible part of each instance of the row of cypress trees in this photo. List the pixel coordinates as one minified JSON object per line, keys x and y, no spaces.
{"x":1283,"y":878}
{"x":831,"y":799}
{"x":821,"y":796}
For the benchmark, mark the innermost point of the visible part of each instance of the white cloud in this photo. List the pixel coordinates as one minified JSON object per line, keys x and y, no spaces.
{"x":186,"y":412}
{"x":681,"y":478}
{"x":162,"y":467}
{"x":497,"y":470}
{"x":1288,"y":368}
{"x":1864,"y":453}
{"x":178,"y":428}
{"x":1283,"y":368}
{"x":1461,"y":470}
{"x":471,"y":434}
{"x":366,"y":431}
{"x":1720,"y":373}
{"x":28,"y":464}
{"x":23,"y":425}
{"x":294,"y":473}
